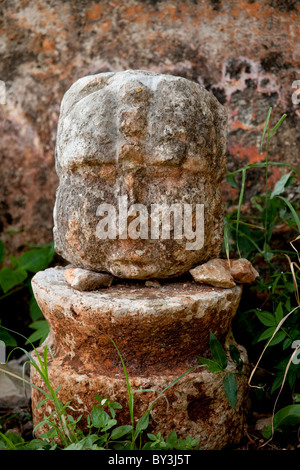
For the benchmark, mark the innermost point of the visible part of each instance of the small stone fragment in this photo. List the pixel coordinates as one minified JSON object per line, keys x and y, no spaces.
{"x":216,"y":272}
{"x":152,"y":284}
{"x":85,"y":280}
{"x":12,"y":391}
{"x":243,"y":271}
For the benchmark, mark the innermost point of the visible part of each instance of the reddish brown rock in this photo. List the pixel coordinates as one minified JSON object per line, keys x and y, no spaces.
{"x":159,"y":333}
{"x":215,"y":272}
{"x":156,"y":329}
{"x":196,"y":406}
{"x":243,"y":271}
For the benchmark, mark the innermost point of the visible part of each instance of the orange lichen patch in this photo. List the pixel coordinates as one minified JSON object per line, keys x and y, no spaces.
{"x":138,"y":14}
{"x":249,"y":153}
{"x":106,"y":26}
{"x":93,"y":13}
{"x":171,"y":12}
{"x":229,"y":193}
{"x":48,"y":46}
{"x":240,"y":125}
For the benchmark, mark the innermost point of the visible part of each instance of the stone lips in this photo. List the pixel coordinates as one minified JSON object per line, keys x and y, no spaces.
{"x":157,"y":330}
{"x":155,"y":138}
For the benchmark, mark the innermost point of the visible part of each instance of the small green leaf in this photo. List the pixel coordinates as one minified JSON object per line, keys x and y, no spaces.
{"x":236,"y":357}
{"x":281,"y":184}
{"x":14,"y":437}
{"x":15,"y":262}
{"x":280,"y":336}
{"x":279,"y":313}
{"x":255,"y":202}
{"x":172,"y":439}
{"x":288,"y":416}
{"x":230,"y":389}
{"x":217,"y":351}
{"x":10,"y":278}
{"x":49,"y":434}
{"x":231,"y":181}
{"x":266,"y":318}
{"x":100,"y":419}
{"x":294,"y":213}
{"x":41,"y":403}
{"x":143,"y":422}
{"x":115,"y":405}
{"x":98,"y":397}
{"x":41,"y":333}
{"x":120,"y":431}
{"x":210,"y":365}
{"x":37,"y":259}
{"x":35,"y":311}
{"x":7,"y":338}
{"x":286,"y":343}
{"x":267,"y":333}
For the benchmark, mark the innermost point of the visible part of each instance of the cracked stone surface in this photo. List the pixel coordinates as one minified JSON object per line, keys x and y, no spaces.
{"x":153,"y":138}
{"x":197,"y":404}
{"x":156,"y":329}
{"x":159,"y":332}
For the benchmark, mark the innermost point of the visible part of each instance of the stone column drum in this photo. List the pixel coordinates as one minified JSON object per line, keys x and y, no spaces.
{"x":130,"y":144}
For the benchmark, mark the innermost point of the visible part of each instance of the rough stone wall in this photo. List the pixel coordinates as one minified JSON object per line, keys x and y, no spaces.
{"x":246,"y":52}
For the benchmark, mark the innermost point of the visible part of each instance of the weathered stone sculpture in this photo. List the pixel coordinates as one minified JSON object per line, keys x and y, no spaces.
{"x":140,"y":159}
{"x":141,"y":146}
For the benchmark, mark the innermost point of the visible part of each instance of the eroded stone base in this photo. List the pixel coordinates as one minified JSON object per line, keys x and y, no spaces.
{"x":159,"y":332}
{"x":195,"y":406}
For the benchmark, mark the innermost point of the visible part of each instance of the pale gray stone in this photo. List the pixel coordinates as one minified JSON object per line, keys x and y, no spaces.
{"x":14,"y":392}
{"x":157,"y":139}
{"x":86,"y":280}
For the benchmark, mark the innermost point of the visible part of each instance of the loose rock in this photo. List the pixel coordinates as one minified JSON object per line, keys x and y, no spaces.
{"x":85,"y":280}
{"x":152,"y":284}
{"x":243,"y":271}
{"x":13,"y":392}
{"x":215,"y":272}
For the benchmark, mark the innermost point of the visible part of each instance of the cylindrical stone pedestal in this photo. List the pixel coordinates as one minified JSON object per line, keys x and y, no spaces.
{"x":159,"y":331}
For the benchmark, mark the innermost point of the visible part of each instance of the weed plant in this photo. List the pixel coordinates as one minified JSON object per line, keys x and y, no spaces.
{"x":273,"y":316}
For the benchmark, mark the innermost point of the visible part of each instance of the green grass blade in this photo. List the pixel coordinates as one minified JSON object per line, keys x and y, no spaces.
{"x":239,"y":210}
{"x":296,"y":218}
{"x":129,"y":389}
{"x":262,"y":165}
{"x":277,"y":125}
{"x":265,"y":128}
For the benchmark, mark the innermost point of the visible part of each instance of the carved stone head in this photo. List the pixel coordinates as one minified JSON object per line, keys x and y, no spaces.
{"x":140,"y":158}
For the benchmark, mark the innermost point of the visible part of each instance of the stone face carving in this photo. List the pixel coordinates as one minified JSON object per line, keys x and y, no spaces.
{"x":127,"y":141}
